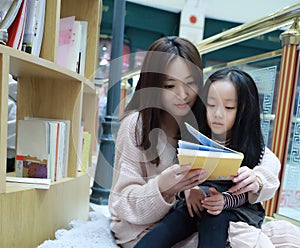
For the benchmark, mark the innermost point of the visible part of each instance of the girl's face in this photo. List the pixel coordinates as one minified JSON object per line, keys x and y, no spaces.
{"x":180,"y":89}
{"x":221,"y":107}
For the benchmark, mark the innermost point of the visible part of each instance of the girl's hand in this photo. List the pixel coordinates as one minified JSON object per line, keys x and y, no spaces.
{"x":214,"y":203}
{"x":178,"y":178}
{"x":246,"y":181}
{"x":193,"y":198}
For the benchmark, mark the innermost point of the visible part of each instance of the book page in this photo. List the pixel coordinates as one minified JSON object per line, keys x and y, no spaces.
{"x":188,"y":145}
{"x":204,"y":140}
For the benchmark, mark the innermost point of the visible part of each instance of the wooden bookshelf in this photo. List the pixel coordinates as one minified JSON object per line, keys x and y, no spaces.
{"x":46,"y":90}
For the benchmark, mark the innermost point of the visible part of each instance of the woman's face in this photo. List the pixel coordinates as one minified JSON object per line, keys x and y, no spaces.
{"x":179,"y":89}
{"x":221,"y":107}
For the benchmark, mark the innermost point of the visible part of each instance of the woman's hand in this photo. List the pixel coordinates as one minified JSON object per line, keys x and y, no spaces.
{"x":214,"y":203}
{"x":178,"y":178}
{"x":245,"y":181}
{"x":193,"y":198}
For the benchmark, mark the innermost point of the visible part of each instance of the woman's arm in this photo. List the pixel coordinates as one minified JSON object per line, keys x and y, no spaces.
{"x":260,"y":183}
{"x":134,"y":197}
{"x":143,"y":193}
{"x":267,"y":172}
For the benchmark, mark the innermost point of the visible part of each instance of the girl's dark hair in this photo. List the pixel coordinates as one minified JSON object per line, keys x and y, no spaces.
{"x":147,"y":96}
{"x":246,"y":135}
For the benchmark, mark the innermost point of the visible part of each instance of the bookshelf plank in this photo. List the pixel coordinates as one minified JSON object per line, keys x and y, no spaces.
{"x":22,"y":63}
{"x":33,"y":215}
{"x":51,"y":30}
{"x":4,"y":60}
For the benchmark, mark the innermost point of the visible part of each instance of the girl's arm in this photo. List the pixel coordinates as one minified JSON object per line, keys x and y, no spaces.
{"x":230,"y":200}
{"x":233,"y":201}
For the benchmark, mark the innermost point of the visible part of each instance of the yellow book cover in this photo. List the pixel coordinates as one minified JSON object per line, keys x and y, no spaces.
{"x":85,"y":150}
{"x":221,"y":163}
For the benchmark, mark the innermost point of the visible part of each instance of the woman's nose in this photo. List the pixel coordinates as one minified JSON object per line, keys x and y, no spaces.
{"x":183,"y":91}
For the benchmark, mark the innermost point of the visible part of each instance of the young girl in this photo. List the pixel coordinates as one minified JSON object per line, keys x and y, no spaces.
{"x":146,"y":174}
{"x":232,"y":119}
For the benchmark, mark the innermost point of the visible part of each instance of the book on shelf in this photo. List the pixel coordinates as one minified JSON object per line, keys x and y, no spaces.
{"x":72,"y":44}
{"x":220,"y":162}
{"x":3,"y":36}
{"x":38,"y":183}
{"x":32,"y":146}
{"x":86,"y":144}
{"x":16,"y":29}
{"x":8,"y":12}
{"x":65,"y":40}
{"x":79,"y":147}
{"x":34,"y":26}
{"x":74,"y":55}
{"x":4,"y":7}
{"x":82,"y":48}
{"x":62,"y":141}
{"x":42,"y":148}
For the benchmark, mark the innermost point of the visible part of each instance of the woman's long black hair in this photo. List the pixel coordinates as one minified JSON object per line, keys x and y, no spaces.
{"x":147,"y":101}
{"x":246,"y":135}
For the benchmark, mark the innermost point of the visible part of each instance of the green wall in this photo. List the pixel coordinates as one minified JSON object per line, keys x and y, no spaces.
{"x":145,"y":24}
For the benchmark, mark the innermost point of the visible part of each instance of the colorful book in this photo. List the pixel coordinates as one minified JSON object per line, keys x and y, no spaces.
{"x":32,"y":158}
{"x":220,"y":162}
{"x":27,"y":166}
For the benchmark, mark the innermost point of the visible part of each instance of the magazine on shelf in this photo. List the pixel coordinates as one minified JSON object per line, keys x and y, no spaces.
{"x":38,"y":183}
{"x":220,"y":162}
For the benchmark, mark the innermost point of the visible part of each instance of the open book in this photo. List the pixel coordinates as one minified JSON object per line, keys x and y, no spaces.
{"x":220,"y":162}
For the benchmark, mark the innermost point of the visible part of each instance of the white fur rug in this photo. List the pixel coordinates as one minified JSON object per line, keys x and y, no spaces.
{"x":91,"y":234}
{"x":95,"y":233}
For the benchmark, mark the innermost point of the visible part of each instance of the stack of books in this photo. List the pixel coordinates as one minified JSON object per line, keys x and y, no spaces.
{"x":24,"y":22}
{"x":42,"y":148}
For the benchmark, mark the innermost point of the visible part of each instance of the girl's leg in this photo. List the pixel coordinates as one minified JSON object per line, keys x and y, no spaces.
{"x":213,"y":229}
{"x":175,"y":227}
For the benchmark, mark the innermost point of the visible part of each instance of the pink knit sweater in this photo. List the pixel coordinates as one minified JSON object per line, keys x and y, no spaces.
{"x":135,"y":202}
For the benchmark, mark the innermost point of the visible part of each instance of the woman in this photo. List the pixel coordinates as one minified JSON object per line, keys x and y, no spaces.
{"x":147,"y":176}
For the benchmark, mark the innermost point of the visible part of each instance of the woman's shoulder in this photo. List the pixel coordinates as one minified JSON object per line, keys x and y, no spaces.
{"x":270,"y":157}
{"x":130,"y":119}
{"x":268,"y":152}
{"x":130,"y":123}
